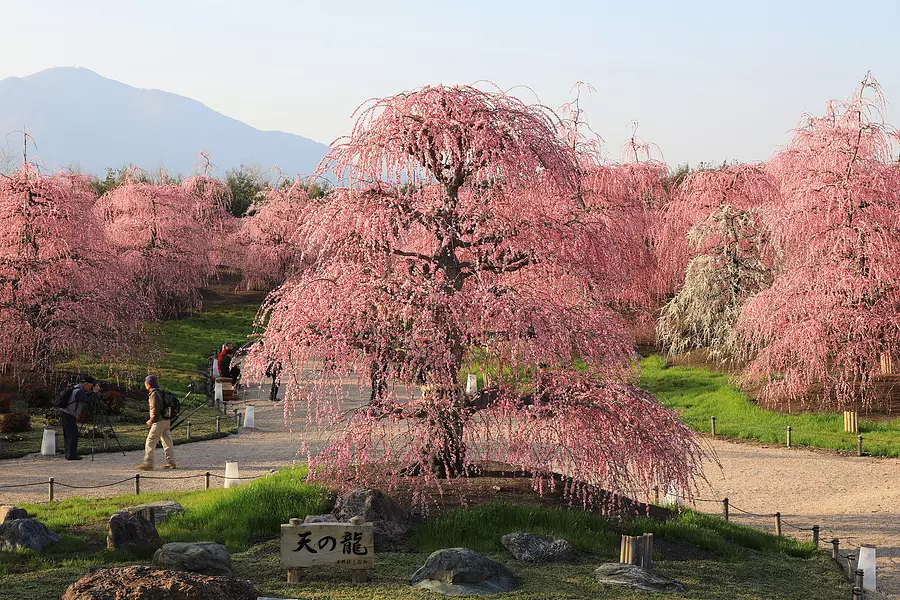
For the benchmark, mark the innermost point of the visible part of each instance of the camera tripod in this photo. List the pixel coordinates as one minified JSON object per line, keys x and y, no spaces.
{"x":109,"y":426}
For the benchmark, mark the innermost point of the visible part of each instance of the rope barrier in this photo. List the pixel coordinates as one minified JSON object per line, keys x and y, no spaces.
{"x":18,"y":485}
{"x":91,"y":487}
{"x":143,"y":477}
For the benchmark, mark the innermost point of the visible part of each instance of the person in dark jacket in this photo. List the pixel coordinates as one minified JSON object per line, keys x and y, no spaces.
{"x":225,"y":367}
{"x":82,"y":395}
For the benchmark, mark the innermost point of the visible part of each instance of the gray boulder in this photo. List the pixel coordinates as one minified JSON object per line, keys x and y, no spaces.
{"x":8,"y":513}
{"x":162,"y":509}
{"x":537,"y":548}
{"x":206,"y":558}
{"x":637,"y":578}
{"x":320,"y":519}
{"x":23,"y":534}
{"x":455,"y":571}
{"x":131,"y":531}
{"x":390,"y":521}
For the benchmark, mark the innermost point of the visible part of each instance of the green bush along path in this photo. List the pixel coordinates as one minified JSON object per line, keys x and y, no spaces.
{"x":699,"y":394}
{"x":716,"y":560}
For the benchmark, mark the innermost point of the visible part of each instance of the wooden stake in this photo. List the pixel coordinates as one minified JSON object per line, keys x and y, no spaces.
{"x":788,"y":436}
{"x":50,"y":490}
{"x":859,"y":445}
{"x":137,"y":484}
{"x":712,"y":426}
{"x":725,"y":508}
{"x":778,"y":523}
{"x":835,"y":549}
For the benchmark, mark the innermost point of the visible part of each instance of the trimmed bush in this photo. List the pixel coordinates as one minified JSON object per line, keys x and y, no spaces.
{"x":15,"y":422}
{"x":114,"y":401}
{"x":37,"y":398}
{"x":5,"y":403}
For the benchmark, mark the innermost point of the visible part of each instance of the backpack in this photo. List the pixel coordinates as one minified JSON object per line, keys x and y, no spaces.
{"x":171,"y":405}
{"x":65,"y":397}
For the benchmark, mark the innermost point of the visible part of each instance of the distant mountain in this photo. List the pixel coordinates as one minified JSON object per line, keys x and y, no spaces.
{"x":80,"y":118}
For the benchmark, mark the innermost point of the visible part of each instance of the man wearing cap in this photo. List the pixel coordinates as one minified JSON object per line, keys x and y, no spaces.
{"x":82,"y":395}
{"x":160,"y":428}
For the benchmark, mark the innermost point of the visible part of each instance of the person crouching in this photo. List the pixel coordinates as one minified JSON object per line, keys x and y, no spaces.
{"x":160,"y":428}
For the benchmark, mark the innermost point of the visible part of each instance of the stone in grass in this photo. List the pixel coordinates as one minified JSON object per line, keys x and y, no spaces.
{"x":206,"y":558}
{"x":131,"y":531}
{"x":162,"y":509}
{"x":25,"y":534}
{"x":455,"y":571}
{"x":390,"y":522}
{"x":148,"y":583}
{"x":636,"y":577}
{"x":8,"y":513}
{"x":537,"y":548}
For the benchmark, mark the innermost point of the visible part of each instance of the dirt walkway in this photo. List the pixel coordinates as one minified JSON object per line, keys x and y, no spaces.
{"x":854,"y":499}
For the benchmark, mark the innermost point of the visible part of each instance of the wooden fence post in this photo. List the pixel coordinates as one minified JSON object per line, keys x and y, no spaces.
{"x":859,"y":578}
{"x":859,"y":445}
{"x":218,"y":423}
{"x":778,"y":523}
{"x":712,"y":426}
{"x":189,"y":430}
{"x":293,"y":574}
{"x":137,"y":484}
{"x":725,"y":508}
{"x":835,"y":548}
{"x":207,"y":479}
{"x":815,"y":531}
{"x":788,"y":436}
{"x":50,"y":490}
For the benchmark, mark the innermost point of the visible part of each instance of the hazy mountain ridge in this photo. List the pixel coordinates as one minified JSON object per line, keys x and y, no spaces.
{"x":79,"y":118}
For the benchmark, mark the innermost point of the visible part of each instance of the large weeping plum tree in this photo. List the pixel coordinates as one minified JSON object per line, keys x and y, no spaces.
{"x":459,"y":235}
{"x":164,"y":233}
{"x":267,"y":250}
{"x":64,"y":294}
{"x":715,"y":224}
{"x":834,"y":307}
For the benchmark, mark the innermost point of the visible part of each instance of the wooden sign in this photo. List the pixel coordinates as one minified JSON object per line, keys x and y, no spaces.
{"x":345,"y":545}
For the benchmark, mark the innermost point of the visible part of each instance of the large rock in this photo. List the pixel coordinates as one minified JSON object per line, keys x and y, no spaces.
{"x":462,"y":571}
{"x":131,"y":531}
{"x":147,"y":583}
{"x":320,"y":519}
{"x":8,"y":513}
{"x":390,"y":521}
{"x":537,"y":548}
{"x":206,"y":558}
{"x":636,"y":577}
{"x":162,"y":509}
{"x":22,"y":534}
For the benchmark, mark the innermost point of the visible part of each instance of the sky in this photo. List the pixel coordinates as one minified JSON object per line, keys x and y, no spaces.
{"x":706,"y":81}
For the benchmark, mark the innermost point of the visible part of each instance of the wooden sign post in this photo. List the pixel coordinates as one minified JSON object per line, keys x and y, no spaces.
{"x":348,"y":545}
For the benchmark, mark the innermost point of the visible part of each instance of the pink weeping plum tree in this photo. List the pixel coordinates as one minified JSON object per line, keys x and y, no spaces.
{"x":265,"y":240}
{"x":164,"y":234}
{"x":458,"y":242}
{"x":714,"y":236}
{"x":833,"y":307}
{"x":64,"y":293}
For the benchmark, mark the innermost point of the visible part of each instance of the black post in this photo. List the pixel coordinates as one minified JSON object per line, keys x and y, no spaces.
{"x":207,"y":480}
{"x":815,"y":530}
{"x":859,"y":445}
{"x":725,"y":507}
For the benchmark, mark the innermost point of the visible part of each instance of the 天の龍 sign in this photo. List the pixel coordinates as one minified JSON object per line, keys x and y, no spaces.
{"x":336,"y":544}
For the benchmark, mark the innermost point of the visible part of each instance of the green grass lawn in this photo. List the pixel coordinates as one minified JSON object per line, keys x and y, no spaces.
{"x":179,"y":355}
{"x":714,"y":559}
{"x":699,"y":394}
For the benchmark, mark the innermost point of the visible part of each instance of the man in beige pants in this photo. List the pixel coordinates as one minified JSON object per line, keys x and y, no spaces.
{"x":159,"y":428}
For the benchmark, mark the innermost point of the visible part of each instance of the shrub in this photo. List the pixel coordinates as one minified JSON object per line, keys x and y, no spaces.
{"x":15,"y":422}
{"x":51,"y":415}
{"x":37,"y":398}
{"x":114,"y":401}
{"x":5,"y":402}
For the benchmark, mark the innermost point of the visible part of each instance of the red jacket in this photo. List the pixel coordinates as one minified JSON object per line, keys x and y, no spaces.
{"x":222,"y":372}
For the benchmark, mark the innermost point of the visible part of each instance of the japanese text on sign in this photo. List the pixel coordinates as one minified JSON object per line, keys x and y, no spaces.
{"x":338,"y":544}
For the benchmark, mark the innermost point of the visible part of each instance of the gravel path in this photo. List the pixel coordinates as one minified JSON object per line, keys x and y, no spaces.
{"x":854,"y":499}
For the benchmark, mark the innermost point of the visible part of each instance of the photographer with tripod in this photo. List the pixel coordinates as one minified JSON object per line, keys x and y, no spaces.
{"x":71,"y":402}
{"x":160,"y":426}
